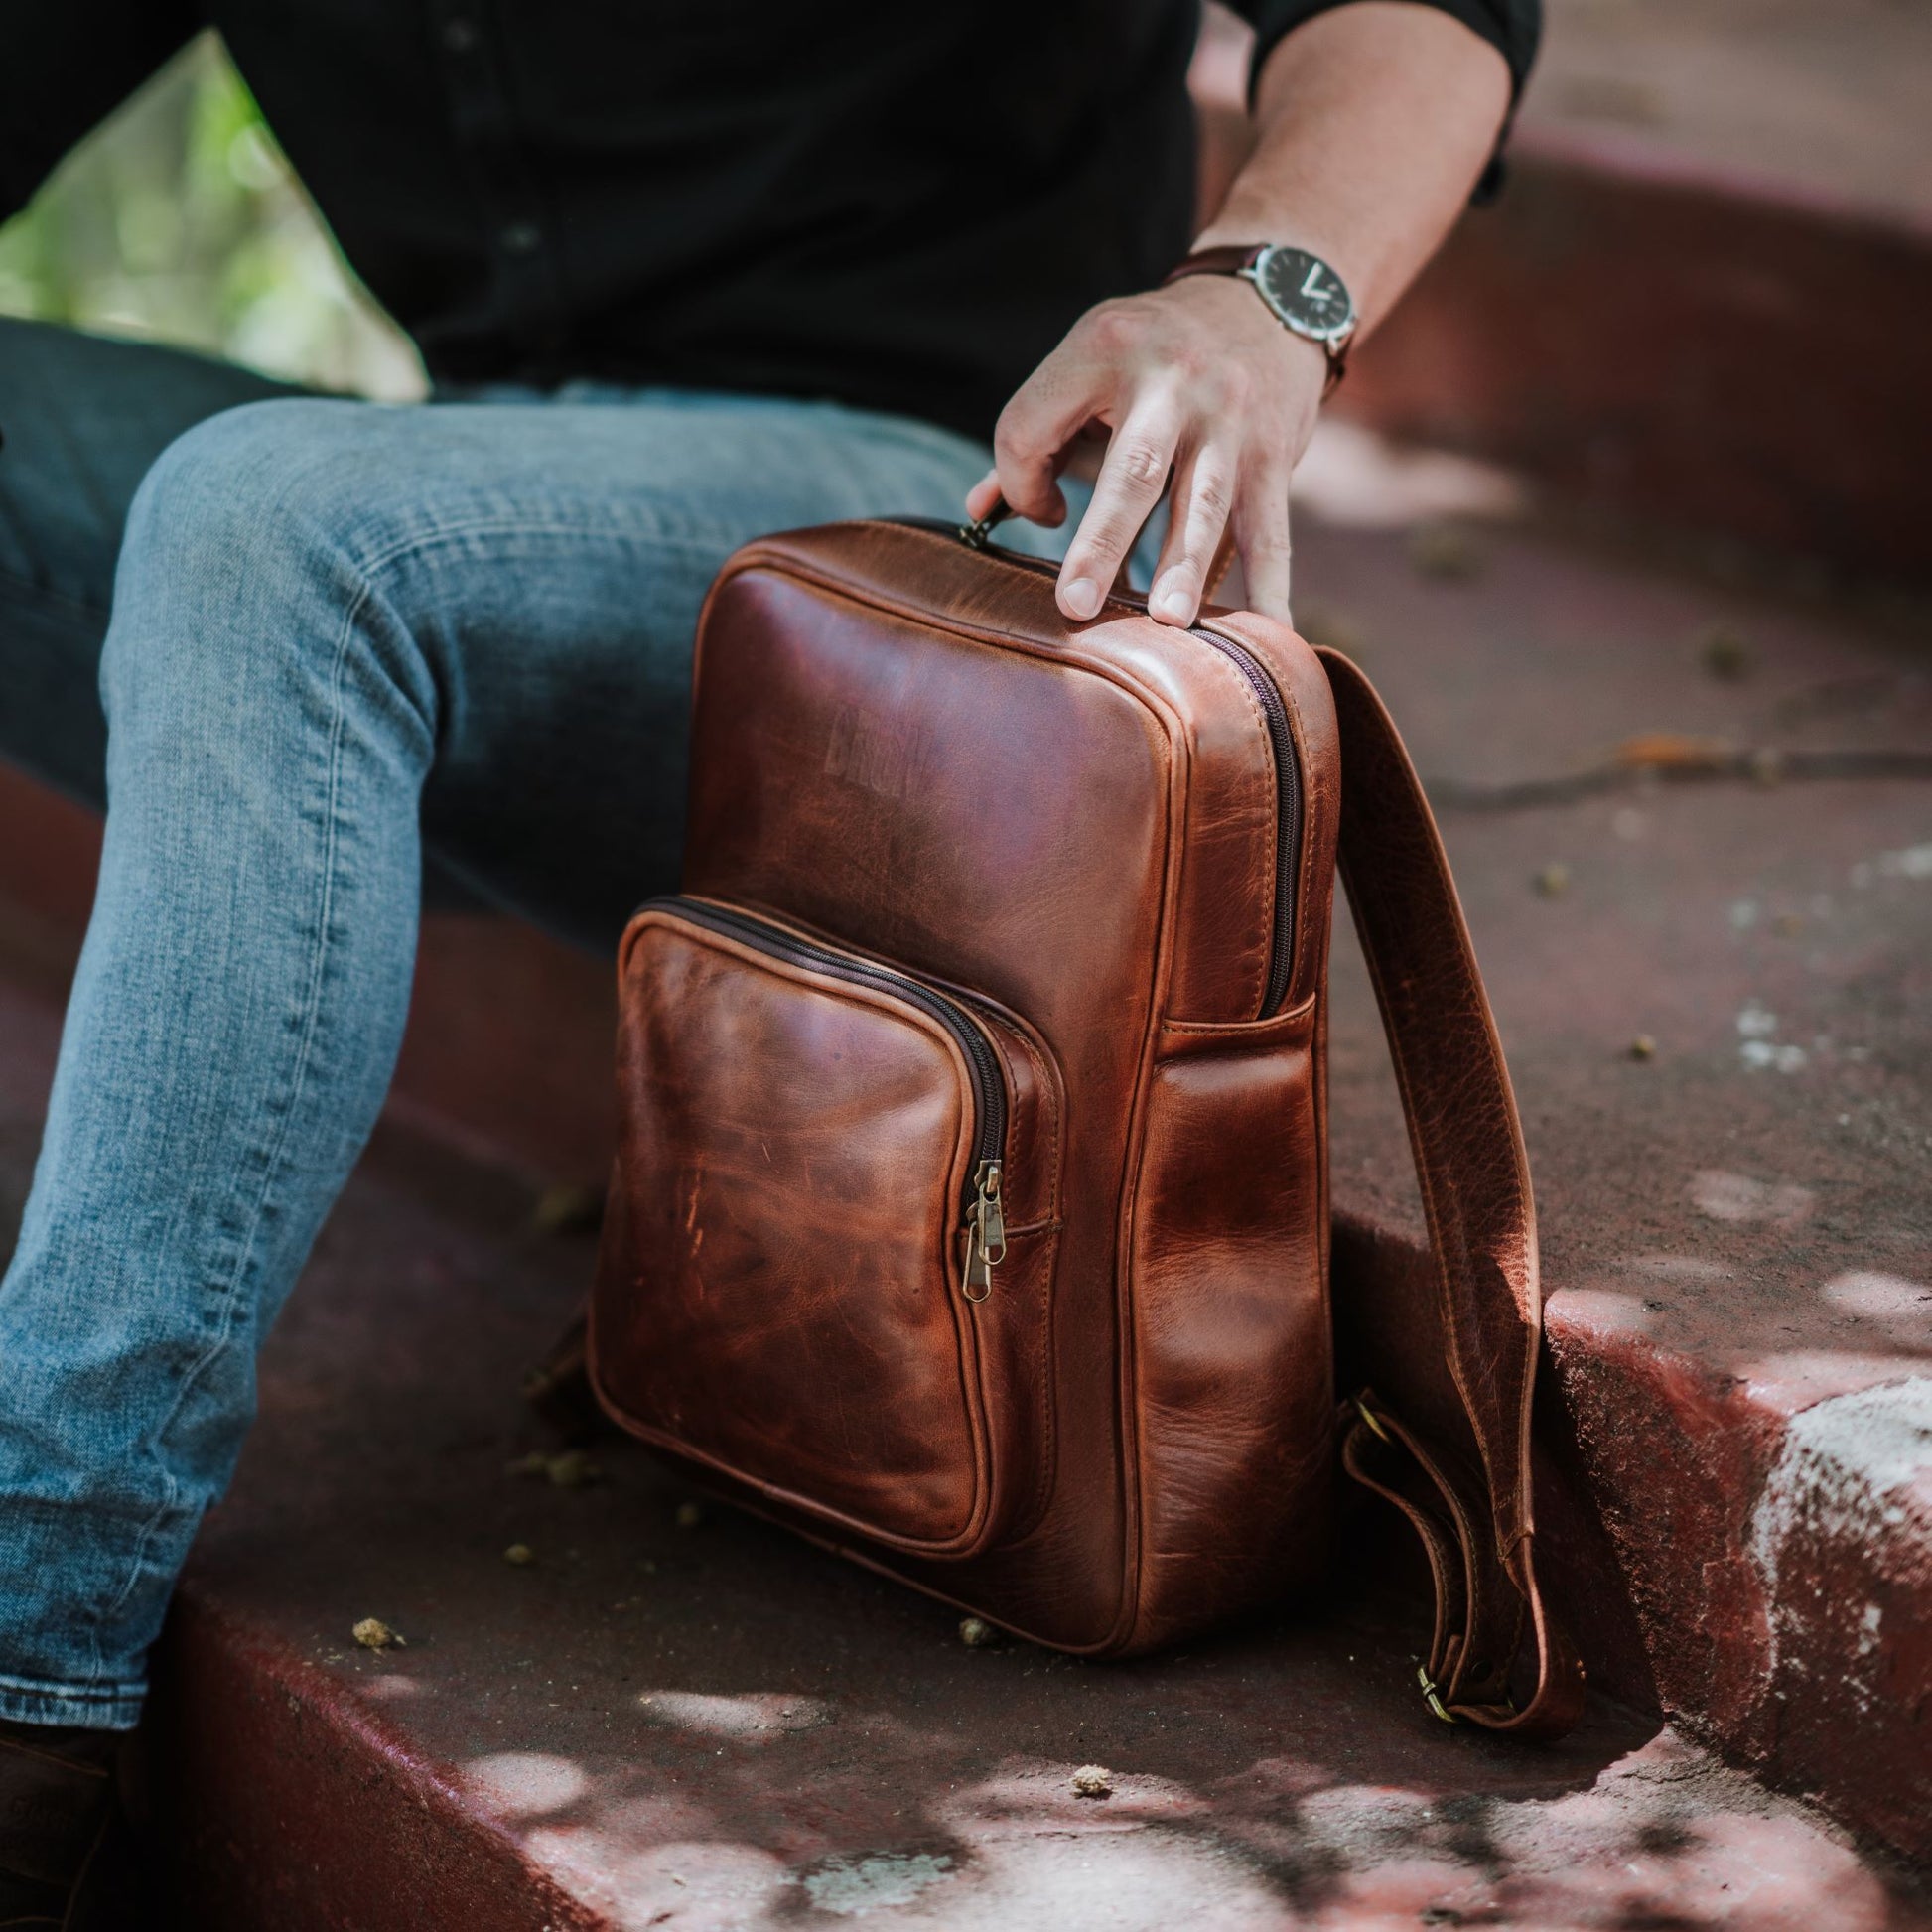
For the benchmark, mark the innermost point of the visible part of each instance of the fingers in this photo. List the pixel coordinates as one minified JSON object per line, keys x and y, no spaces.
{"x":1045,"y":414}
{"x":1261,"y":534}
{"x":1129,"y":486}
{"x":982,"y":496}
{"x":1187,"y":383}
{"x":1197,"y":514}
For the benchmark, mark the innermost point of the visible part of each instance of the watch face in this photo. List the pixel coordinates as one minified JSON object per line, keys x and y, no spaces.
{"x":1306,"y":293}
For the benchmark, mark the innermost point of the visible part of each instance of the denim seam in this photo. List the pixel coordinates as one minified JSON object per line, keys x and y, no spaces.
{"x":92,"y":1692}
{"x":223,"y":1337}
{"x":498,"y":526}
{"x":309,"y":1015}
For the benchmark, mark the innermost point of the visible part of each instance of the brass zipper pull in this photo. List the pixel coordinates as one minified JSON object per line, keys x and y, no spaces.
{"x":986,"y":1233}
{"x":990,"y":1212}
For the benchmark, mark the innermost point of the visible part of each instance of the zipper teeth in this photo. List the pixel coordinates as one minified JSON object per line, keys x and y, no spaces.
{"x":1288,"y":809}
{"x":989,"y":1088}
{"x":1281,"y":740}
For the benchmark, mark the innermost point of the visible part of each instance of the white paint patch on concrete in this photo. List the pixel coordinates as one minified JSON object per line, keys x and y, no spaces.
{"x":1759,"y":1056}
{"x":1914,"y":862}
{"x":1680,"y":1271}
{"x":1603,"y":1311}
{"x":1665,"y":1834}
{"x":1721,"y":1196}
{"x":1106,"y":1877}
{"x":524,"y":1784}
{"x":1903,"y":1309}
{"x":852,"y":1887}
{"x":1870,"y":1622}
{"x":1909,"y":861}
{"x":691,"y":1885}
{"x":747,"y":1715}
{"x":1352,"y":478}
{"x":392,"y":1686}
{"x":1758,"y":1046}
{"x":1840,"y":1478}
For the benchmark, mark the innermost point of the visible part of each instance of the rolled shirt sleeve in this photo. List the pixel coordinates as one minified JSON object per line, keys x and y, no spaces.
{"x":1515,"y":28}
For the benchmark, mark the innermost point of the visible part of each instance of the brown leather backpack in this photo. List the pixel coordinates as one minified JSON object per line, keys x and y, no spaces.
{"x":971,"y":1208}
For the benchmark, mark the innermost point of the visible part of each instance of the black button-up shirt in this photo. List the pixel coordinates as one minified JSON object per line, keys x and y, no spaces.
{"x":900,"y":204}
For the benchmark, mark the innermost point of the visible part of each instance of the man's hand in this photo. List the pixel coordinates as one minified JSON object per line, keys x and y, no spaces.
{"x":1372,"y":123}
{"x":1197,"y":383}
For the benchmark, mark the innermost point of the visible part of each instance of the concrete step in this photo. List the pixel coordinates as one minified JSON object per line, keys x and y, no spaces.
{"x":1699,"y":306}
{"x":1738,"y":1241}
{"x":1714,"y":1010}
{"x":656,"y":1721}
{"x":650,"y":1725}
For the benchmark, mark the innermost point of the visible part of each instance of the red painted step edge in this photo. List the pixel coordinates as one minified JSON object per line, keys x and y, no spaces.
{"x":1652,"y":1468}
{"x":1716,"y":1567}
{"x":261,"y":1749}
{"x":1671,"y":341}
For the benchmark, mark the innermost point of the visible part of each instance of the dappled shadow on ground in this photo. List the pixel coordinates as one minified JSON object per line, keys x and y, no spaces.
{"x":711,"y":1725}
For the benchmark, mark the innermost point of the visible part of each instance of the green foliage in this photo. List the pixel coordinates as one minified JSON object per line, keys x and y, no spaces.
{"x":180,"y":221}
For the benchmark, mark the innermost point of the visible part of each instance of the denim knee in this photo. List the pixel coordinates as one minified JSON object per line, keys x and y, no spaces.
{"x":243,"y":581}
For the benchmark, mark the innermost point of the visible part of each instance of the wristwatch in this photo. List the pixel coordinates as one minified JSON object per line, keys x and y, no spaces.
{"x":1303,"y":292}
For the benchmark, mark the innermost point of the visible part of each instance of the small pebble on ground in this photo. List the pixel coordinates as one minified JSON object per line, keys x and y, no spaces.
{"x":690,"y":1516}
{"x":1444,"y":552}
{"x":976,"y":1634}
{"x":1093,"y":1781}
{"x":1724,"y":653}
{"x":519,"y":1553}
{"x":1552,"y":881}
{"x":568,"y":1209}
{"x":570,"y":1469}
{"x":1644,"y":1047}
{"x":374,"y":1634}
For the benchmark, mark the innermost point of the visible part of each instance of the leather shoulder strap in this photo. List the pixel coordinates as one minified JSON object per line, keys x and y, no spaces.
{"x":1468,"y":1495}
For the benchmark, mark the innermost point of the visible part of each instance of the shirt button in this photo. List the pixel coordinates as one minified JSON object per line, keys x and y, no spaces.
{"x":521,"y":237}
{"x":459,"y":35}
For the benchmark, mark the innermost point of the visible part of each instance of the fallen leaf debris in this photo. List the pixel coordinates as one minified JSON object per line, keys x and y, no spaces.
{"x":1724,"y":653}
{"x":567,"y":1469}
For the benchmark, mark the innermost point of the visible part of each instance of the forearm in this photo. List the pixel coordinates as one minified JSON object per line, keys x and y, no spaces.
{"x":1376,"y":118}
{"x":1374,"y":122}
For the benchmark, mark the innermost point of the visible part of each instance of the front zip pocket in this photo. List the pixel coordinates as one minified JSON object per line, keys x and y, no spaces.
{"x":828,"y":1272}
{"x":984,"y":1240}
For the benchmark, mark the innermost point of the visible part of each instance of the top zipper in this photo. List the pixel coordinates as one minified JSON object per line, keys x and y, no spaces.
{"x":1288,"y":808}
{"x":985,"y":1208}
{"x":1281,"y":745}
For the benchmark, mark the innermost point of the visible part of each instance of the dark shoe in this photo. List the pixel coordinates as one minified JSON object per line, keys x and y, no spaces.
{"x":56,"y":1797}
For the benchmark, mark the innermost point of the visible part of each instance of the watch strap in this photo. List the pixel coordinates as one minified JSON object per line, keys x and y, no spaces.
{"x":1229,"y":259}
{"x":1236,"y":259}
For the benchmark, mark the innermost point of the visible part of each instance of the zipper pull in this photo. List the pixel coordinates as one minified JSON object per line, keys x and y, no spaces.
{"x":990,"y":1212}
{"x":985,"y":1232}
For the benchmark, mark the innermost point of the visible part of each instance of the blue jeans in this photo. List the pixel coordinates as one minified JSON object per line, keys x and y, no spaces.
{"x":342,"y":635}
